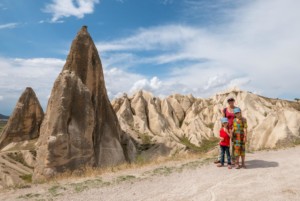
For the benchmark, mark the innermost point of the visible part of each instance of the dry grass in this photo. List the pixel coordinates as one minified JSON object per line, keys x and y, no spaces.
{"x":96,"y":171}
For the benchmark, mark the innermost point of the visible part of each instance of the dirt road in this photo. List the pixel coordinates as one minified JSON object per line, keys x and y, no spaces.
{"x":271,"y":175}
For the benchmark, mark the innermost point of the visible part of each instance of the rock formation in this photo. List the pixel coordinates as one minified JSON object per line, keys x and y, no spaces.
{"x":16,"y":167}
{"x":24,"y":123}
{"x":272,"y":122}
{"x":80,"y":126}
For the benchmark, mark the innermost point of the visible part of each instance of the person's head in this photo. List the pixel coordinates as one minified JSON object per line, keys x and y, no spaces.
{"x":224,"y":122}
{"x":230,"y":102}
{"x":237,"y":112}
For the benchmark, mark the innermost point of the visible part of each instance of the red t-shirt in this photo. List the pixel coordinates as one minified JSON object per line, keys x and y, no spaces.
{"x":226,"y":137}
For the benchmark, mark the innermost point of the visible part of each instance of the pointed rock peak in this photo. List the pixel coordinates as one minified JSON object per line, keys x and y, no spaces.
{"x":83,"y":31}
{"x":125,"y":96}
{"x":85,"y":62}
{"x":29,"y":90}
{"x":84,"y":28}
{"x":24,"y":123}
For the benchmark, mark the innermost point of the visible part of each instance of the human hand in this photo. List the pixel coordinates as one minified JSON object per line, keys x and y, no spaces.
{"x":222,"y":139}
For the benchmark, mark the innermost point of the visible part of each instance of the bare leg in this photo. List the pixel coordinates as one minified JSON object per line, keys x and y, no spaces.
{"x":219,"y":156}
{"x":237,"y":162}
{"x":243,"y":162}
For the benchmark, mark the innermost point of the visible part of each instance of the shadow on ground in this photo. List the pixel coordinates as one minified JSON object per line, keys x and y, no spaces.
{"x":261,"y":164}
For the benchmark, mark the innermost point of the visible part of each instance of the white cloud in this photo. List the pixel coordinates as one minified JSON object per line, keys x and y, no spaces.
{"x":8,"y":26}
{"x":119,"y":81}
{"x":40,"y":73}
{"x":257,"y":51}
{"x":66,"y":8}
{"x":16,"y":74}
{"x":149,"y":85}
{"x":155,"y":38}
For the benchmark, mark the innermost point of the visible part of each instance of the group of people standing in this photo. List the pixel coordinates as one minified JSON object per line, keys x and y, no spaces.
{"x":232,"y":134}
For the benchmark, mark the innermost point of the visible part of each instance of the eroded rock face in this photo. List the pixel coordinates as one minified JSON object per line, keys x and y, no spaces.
{"x":271,"y":122}
{"x":80,"y":127}
{"x":24,"y":123}
{"x":85,"y":62}
{"x":66,"y":140}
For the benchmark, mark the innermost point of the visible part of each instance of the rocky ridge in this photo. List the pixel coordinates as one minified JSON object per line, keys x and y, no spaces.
{"x":272,"y":122}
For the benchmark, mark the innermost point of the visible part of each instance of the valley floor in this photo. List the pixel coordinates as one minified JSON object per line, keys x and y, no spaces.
{"x":271,"y":175}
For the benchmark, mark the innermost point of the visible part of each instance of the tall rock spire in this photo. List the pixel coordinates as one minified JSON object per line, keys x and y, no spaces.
{"x":85,"y":62}
{"x":80,"y":126}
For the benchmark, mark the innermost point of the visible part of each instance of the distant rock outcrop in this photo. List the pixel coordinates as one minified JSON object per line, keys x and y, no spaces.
{"x":178,"y":120}
{"x":3,"y":117}
{"x":80,"y":126}
{"x":24,"y":123}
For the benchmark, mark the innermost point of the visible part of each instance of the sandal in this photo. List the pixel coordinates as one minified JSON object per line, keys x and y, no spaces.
{"x":229,"y":167}
{"x":217,"y":161}
{"x":220,"y":165}
{"x":237,"y":167}
{"x":244,"y":167}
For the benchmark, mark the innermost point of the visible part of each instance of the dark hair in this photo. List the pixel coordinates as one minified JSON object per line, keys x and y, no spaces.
{"x":230,"y":99}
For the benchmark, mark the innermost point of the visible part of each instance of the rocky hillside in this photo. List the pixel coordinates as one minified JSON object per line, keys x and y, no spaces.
{"x":4,"y":117}
{"x":179,"y":122}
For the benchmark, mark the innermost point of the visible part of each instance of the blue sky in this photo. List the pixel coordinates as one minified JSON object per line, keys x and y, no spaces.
{"x":197,"y":47}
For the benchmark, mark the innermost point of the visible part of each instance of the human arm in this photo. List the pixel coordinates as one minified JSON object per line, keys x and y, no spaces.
{"x":223,"y":112}
{"x":228,"y":132}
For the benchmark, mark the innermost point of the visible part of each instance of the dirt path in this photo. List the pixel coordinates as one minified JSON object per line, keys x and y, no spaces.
{"x":271,"y":175}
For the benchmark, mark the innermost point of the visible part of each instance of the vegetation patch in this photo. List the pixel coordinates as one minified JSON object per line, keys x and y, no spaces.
{"x":145,"y":138}
{"x":92,"y":183}
{"x":211,"y":125}
{"x":79,"y":187}
{"x":205,"y":146}
{"x":161,"y":171}
{"x":27,"y":177}
{"x":125,"y":178}
{"x":56,"y":190}
{"x":29,"y":196}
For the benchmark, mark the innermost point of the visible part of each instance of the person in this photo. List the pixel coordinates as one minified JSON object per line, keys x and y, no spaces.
{"x":239,"y":135}
{"x":225,"y":136}
{"x":229,"y":114}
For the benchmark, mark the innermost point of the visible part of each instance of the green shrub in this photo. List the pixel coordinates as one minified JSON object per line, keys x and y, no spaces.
{"x":203,"y":147}
{"x":26,"y":177}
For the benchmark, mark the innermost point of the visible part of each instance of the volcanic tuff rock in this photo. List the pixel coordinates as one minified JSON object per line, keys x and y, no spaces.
{"x":272,"y":122}
{"x":80,"y":127}
{"x":24,"y":123}
{"x":16,"y":166}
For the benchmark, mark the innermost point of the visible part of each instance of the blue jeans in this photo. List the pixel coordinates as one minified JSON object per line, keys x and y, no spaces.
{"x":225,"y":149}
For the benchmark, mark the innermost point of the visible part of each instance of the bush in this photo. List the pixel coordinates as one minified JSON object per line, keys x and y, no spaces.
{"x":27,"y":177}
{"x":205,"y":146}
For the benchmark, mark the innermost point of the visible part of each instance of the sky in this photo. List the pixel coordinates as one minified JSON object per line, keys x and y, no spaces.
{"x":198,"y":47}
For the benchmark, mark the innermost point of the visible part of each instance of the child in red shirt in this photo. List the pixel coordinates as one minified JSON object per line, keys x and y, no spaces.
{"x":225,"y":136}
